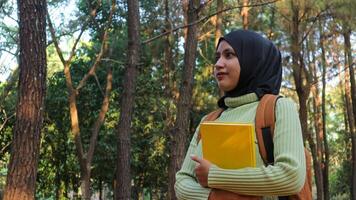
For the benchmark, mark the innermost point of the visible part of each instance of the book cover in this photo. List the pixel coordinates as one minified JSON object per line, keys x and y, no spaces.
{"x":228,"y":145}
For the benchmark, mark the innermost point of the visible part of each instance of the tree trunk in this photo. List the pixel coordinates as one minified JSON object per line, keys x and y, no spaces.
{"x":351,"y":67}
{"x":76,"y":132}
{"x":319,"y":134}
{"x":167,"y":70}
{"x":272,"y":23}
{"x":218,"y":27}
{"x":100,"y":189}
{"x":85,"y":183}
{"x":181,"y":126}
{"x":22,"y":170}
{"x":244,"y":15}
{"x":323,"y":113}
{"x":303,"y":115}
{"x":344,"y":109}
{"x":303,"y":81}
{"x":123,"y":174}
{"x":168,"y":88}
{"x":350,"y":109}
{"x":218,"y":24}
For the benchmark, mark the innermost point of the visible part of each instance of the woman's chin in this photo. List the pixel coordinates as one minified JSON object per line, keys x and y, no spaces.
{"x":224,"y":88}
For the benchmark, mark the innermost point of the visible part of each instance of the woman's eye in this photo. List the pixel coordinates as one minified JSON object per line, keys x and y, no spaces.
{"x":229,"y":55}
{"x":217,"y":58}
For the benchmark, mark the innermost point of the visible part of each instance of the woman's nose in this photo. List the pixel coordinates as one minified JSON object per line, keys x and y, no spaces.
{"x":219,"y":63}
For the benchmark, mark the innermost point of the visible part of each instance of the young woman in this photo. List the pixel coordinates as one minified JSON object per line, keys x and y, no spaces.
{"x":247,"y":67}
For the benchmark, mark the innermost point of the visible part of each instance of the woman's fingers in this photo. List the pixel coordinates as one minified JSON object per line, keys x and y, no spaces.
{"x":201,"y":170}
{"x":196,"y":158}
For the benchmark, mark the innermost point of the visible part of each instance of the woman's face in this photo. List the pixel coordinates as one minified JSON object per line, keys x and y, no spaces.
{"x":227,"y":67}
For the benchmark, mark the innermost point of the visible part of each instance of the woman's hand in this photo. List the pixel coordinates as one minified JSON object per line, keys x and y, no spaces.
{"x":201,"y":170}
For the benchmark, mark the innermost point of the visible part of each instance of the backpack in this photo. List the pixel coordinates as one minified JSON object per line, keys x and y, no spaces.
{"x":264,"y":127}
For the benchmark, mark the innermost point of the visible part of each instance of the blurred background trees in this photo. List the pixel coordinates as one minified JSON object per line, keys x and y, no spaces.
{"x":174,"y":88}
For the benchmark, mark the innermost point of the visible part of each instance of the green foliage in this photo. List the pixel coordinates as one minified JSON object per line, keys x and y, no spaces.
{"x":57,"y":162}
{"x":339,"y":145}
{"x":7,"y":121}
{"x":58,"y":169}
{"x":149,"y":156}
{"x":340,"y":182}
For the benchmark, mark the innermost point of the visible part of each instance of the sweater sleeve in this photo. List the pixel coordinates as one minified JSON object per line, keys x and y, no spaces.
{"x":187,"y":186}
{"x":285,"y":177}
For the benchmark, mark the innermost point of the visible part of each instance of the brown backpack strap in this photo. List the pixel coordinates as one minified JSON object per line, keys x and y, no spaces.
{"x":210,"y":117}
{"x":264,"y":124}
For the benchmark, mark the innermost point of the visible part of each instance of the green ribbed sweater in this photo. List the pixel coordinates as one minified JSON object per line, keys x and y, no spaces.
{"x":284,"y":178}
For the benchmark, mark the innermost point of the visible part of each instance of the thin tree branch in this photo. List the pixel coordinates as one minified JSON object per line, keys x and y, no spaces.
{"x":203,"y":4}
{"x":279,"y":13}
{"x":72,"y":53}
{"x":312,"y":25}
{"x":101,"y":117}
{"x":9,"y":52}
{"x":11,"y":82}
{"x":15,"y":20}
{"x":4,"y":149}
{"x":205,"y":35}
{"x":69,"y":33}
{"x":98,"y":83}
{"x":5,"y":121}
{"x":205,"y":18}
{"x":103,"y":48}
{"x":12,"y":34}
{"x":288,"y":88}
{"x":332,"y":75}
{"x":54,"y":38}
{"x":113,"y":60}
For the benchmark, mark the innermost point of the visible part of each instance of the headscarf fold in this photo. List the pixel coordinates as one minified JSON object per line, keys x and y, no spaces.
{"x":260,"y":62}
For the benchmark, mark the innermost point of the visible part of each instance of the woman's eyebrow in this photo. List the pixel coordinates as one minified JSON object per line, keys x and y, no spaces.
{"x":228,"y":50}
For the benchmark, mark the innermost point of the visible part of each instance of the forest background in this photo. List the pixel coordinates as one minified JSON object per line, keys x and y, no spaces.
{"x":126,"y":84}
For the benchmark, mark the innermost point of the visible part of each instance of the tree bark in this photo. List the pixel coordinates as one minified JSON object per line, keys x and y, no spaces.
{"x":218,"y":24}
{"x":167,"y":69}
{"x":100,"y":189}
{"x":341,"y":86}
{"x":244,"y":15}
{"x":317,"y":104}
{"x":123,"y":174}
{"x":168,"y":89}
{"x":22,"y":170}
{"x":218,"y":27}
{"x":323,"y":114}
{"x":303,"y":81}
{"x":349,"y":81}
{"x":351,"y":67}
{"x":318,"y":130}
{"x":272,"y":23}
{"x":179,"y":135}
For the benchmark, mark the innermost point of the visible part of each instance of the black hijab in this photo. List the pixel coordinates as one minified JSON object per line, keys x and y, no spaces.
{"x":260,"y":62}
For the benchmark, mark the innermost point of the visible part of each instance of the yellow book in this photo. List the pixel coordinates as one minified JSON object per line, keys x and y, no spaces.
{"x":228,"y":145}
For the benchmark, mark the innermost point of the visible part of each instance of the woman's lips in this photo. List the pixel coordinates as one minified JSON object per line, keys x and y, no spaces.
{"x":221,"y":75}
